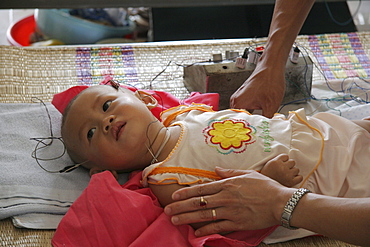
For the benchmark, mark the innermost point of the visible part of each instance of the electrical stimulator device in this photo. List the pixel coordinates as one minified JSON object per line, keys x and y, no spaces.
{"x":225,"y":76}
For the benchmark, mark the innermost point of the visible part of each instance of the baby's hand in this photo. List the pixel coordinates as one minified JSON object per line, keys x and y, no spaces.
{"x":283,"y":170}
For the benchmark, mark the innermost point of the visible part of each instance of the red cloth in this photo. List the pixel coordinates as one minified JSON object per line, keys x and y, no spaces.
{"x":61,"y":100}
{"x":165,"y":100}
{"x":109,"y":214}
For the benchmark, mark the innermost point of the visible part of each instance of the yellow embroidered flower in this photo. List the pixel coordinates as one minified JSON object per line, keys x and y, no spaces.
{"x":229,"y":134}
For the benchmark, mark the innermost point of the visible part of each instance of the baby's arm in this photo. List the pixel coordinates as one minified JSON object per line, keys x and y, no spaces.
{"x":164,"y":192}
{"x":283,"y":170}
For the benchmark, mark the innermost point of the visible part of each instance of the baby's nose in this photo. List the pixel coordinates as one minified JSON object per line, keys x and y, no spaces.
{"x":107,"y":122}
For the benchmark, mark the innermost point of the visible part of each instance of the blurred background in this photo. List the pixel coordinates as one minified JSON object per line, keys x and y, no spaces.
{"x":23,"y":27}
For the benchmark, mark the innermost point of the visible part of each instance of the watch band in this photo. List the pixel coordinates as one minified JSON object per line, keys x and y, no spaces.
{"x":290,"y":206}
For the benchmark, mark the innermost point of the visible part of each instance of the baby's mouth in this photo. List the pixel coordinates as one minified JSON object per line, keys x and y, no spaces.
{"x":118,"y":129}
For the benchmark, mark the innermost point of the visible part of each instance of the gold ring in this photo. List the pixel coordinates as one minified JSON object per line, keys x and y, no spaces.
{"x":214,"y":215}
{"x":203,"y":202}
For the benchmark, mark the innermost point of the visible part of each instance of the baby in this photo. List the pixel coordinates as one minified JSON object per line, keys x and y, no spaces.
{"x":105,"y":128}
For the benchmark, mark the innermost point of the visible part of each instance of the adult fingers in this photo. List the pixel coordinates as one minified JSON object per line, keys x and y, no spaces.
{"x":209,"y":188}
{"x":228,"y":173}
{"x":271,"y":102}
{"x":244,"y":105}
{"x":190,"y":205}
{"x":269,"y":106}
{"x":222,"y":226}
{"x":220,"y":198}
{"x":241,"y":99}
{"x":269,"y":111}
{"x":189,"y":199}
{"x":206,"y":215}
{"x":197,"y":190}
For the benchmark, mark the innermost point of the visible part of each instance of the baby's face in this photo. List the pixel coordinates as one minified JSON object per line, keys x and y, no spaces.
{"x":108,"y":127}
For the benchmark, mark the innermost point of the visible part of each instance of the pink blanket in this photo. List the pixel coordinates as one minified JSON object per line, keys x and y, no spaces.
{"x":110,"y":214}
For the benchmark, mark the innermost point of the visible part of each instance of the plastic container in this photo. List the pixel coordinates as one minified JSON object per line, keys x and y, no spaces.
{"x":18,"y":34}
{"x":59,"y":24}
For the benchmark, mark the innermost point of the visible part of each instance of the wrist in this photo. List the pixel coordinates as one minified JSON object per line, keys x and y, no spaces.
{"x":275,"y":57}
{"x":282,"y":198}
{"x":290,"y":206}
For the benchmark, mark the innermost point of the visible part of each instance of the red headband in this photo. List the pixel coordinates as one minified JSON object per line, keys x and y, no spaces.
{"x":61,"y":100}
{"x":165,"y":100}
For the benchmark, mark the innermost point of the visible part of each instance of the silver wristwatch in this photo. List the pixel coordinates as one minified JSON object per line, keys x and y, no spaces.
{"x":290,"y":206}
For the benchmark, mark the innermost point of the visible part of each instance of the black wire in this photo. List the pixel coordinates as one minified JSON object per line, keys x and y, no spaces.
{"x":47,"y":142}
{"x":150,"y":83}
{"x":342,"y":23}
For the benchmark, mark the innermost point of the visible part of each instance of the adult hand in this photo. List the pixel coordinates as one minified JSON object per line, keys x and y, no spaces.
{"x":263,"y":90}
{"x":243,"y":200}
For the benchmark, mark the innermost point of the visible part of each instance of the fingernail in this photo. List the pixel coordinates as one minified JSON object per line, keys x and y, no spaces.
{"x":176,"y":196}
{"x":167,"y":210}
{"x":175,"y":219}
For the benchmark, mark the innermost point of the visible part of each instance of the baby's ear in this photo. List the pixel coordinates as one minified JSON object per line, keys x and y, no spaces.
{"x":147,"y":98}
{"x":96,"y":170}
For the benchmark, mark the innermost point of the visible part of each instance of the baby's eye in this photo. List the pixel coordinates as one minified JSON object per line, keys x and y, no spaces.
{"x":106,"y":105}
{"x":90,"y":133}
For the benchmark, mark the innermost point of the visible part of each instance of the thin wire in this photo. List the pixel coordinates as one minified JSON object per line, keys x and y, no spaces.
{"x":48,"y":114}
{"x":150,"y":83}
{"x":116,"y":85}
{"x":346,"y":22}
{"x":344,"y":95}
{"x":46,"y":141}
{"x":306,"y":94}
{"x":44,"y":144}
{"x":37,"y":149}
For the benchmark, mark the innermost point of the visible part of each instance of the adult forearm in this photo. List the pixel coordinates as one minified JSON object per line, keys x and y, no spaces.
{"x":265,"y":88}
{"x":248,"y":200}
{"x":346,"y":219}
{"x":287,"y":21}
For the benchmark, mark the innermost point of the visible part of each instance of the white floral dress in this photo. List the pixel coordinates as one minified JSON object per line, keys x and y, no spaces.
{"x":332,"y":153}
